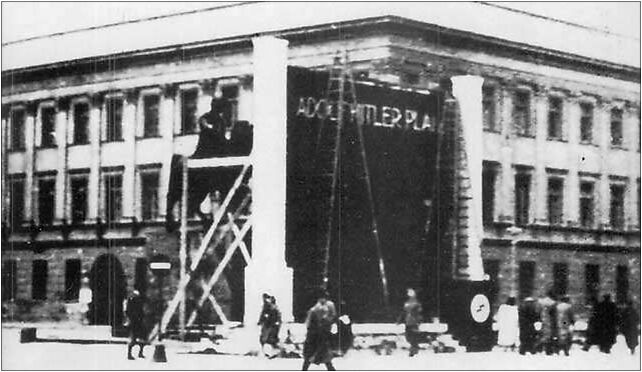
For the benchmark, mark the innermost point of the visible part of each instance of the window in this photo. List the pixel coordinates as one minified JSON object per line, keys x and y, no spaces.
{"x":616,"y":127}
{"x":592,"y":280}
{"x":491,"y":268}
{"x":149,"y":194}
{"x":555,"y":118}
{"x":17,"y":130}
{"x":39,"y":280}
{"x":81,"y":123}
{"x":555,"y":200}
{"x":560,"y":278}
{"x":587,"y":204}
{"x":617,"y":206}
{"x":114,"y":109}
{"x":622,"y":283}
{"x":140,"y":275}
{"x":489,"y":107}
{"x":489,"y":175}
{"x":522,"y":198}
{"x":79,"y":191}
{"x":9,"y":280}
{"x":526,"y":278}
{"x":586,"y":123}
{"x":72,"y":279}
{"x":113,"y":197}
{"x":151,"y":103}
{"x":189,"y":102}
{"x":17,"y":200}
{"x":48,"y":127}
{"x":231,"y":92}
{"x":46,"y":200}
{"x":522,"y":113}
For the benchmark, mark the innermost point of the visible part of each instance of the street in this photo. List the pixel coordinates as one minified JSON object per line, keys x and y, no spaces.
{"x":67,"y":356}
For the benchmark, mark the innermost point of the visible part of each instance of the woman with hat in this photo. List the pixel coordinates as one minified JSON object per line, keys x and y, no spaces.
{"x":270,"y":322}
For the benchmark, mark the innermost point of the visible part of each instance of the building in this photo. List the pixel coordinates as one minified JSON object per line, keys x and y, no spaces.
{"x":88,"y":134}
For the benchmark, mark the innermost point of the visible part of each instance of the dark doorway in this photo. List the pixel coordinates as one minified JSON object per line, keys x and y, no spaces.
{"x":108,"y":285}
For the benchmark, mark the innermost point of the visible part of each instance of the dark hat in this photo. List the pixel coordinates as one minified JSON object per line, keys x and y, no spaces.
{"x":266,"y":295}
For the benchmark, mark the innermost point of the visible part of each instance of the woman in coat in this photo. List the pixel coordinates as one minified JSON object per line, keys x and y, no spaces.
{"x":508,"y":323}
{"x":629,"y":321}
{"x":320,"y":321}
{"x":270,"y":322}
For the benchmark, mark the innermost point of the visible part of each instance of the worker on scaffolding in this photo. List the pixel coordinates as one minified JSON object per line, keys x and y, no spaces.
{"x":320,"y":323}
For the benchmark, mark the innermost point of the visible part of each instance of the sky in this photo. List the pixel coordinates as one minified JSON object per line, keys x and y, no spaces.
{"x":22,"y":20}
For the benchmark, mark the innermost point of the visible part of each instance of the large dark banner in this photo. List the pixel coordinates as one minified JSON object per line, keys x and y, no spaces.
{"x":400,"y":143}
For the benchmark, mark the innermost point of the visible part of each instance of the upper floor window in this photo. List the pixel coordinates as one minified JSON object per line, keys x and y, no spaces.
{"x":489,"y":108}
{"x":47,"y":126}
{"x":149,"y":182}
{"x":522,"y":198}
{"x":489,"y":176}
{"x":189,"y":107}
{"x":555,"y":108}
{"x":231,"y":93}
{"x":151,"y":103}
{"x":587,"y":204}
{"x":79,"y":186}
{"x":81,"y":123}
{"x":586,"y":123}
{"x":46,"y":199}
{"x":616,"y":128}
{"x":522,"y":113}
{"x":555,"y":200}
{"x":113,"y":186}
{"x":114,"y":118}
{"x":617,"y":206}
{"x":17,"y":131}
{"x":16,"y":200}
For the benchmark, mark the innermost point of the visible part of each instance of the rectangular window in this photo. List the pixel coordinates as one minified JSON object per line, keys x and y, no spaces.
{"x":9,"y":280}
{"x":114,"y":110}
{"x":522,"y":198}
{"x":113,"y":197}
{"x":72,"y":279}
{"x":231,"y":93}
{"x":17,"y":130}
{"x":622,"y":284}
{"x":489,"y":108}
{"x":555,"y":115}
{"x":79,"y":192}
{"x":140,"y":275}
{"x":39,"y":280}
{"x":46,"y":200}
{"x":560,"y":278}
{"x":491,"y":268}
{"x":149,"y":181}
{"x":592,"y":280}
{"x":555,"y":200}
{"x":189,"y":104}
{"x":526,"y":278}
{"x":48,"y":127}
{"x":616,"y":127}
{"x":81,"y":123}
{"x":587,"y":204}
{"x":522,"y":113}
{"x":17,"y":201}
{"x":151,"y":103}
{"x":586,"y":123}
{"x":617,"y":206}
{"x":489,"y":175}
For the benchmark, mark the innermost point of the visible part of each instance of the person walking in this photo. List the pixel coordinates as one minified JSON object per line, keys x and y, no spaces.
{"x":411,"y":316}
{"x":137,"y":329}
{"x":270,"y":322}
{"x":320,"y":321}
{"x":507,"y":318}
{"x":591,"y":327}
{"x":548,"y":317}
{"x":84,"y":300}
{"x":606,"y":328}
{"x":629,"y":322}
{"x":528,"y":315}
{"x":565,"y":321}
{"x":345,"y":337}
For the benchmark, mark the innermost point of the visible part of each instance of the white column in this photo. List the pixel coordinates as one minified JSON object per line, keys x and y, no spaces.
{"x":540,"y":196}
{"x":5,"y":164}
{"x":571,"y":122}
{"x":93,"y":184}
{"x":506,"y":198}
{"x":631,"y":128}
{"x":129,"y":156}
{"x":61,"y":174}
{"x":166,"y":124}
{"x":603,"y":129}
{"x":29,"y":159}
{"x":268,"y":271}
{"x":467,"y":91}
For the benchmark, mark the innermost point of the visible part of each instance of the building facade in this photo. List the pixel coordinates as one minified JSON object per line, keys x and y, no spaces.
{"x":88,"y":138}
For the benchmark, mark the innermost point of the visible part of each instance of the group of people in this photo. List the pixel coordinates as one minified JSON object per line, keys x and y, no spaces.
{"x":547,"y":325}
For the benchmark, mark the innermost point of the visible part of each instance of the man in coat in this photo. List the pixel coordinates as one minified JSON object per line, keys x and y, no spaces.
{"x":548,"y":317}
{"x":606,"y":328}
{"x":412,"y":317}
{"x":320,"y":321}
{"x":528,"y":316}
{"x":270,"y":322}
{"x":629,"y":321}
{"x":565,"y":321}
{"x":137,"y":328}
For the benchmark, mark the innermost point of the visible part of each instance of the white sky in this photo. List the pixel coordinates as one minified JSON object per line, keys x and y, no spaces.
{"x":27,"y":19}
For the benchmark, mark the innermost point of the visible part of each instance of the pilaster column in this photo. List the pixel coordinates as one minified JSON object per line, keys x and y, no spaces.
{"x":603,"y":129}
{"x":30,"y":133}
{"x":129,"y":155}
{"x":571,"y":122}
{"x":61,"y":174}
{"x":268,"y":271}
{"x":467,"y":91}
{"x":540,"y":101}
{"x":6,"y":202}
{"x":93,"y":184}
{"x":507,"y":187}
{"x":631,"y":133}
{"x":166,"y":130}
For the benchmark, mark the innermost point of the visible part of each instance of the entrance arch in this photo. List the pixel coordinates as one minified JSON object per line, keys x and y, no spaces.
{"x":109,"y":287}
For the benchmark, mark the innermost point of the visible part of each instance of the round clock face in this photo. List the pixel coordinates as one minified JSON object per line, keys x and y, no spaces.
{"x":480,"y":308}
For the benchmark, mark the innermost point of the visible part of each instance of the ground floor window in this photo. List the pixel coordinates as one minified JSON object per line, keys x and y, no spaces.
{"x":526,"y":278}
{"x":39,"y":280}
{"x":9,"y":280}
{"x":560,"y":278}
{"x":622,"y":284}
{"x":592,"y":279}
{"x":72,"y":279}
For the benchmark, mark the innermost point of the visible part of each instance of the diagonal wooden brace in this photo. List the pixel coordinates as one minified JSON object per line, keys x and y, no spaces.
{"x":237,"y":234}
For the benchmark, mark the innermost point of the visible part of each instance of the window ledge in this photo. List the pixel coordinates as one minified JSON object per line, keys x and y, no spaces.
{"x":525,"y":135}
{"x":47,"y":147}
{"x":556,"y":139}
{"x":121,"y":140}
{"x":589,"y":143}
{"x":156,"y":136}
{"x":78,"y":144}
{"x":495,"y":131}
{"x":17,"y":150}
{"x":618,"y":147}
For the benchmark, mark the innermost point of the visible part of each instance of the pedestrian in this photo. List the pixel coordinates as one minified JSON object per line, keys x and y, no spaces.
{"x":548,"y":318}
{"x":270,"y":322}
{"x":319,"y":323}
{"x":137,"y":328}
{"x":565,"y":321}
{"x":629,"y":321}
{"x":507,"y":318}
{"x":528,"y":315}
{"x":345,"y":335}
{"x":412,"y":317}
{"x":84,"y":300}
{"x":591,"y":327}
{"x":606,"y":328}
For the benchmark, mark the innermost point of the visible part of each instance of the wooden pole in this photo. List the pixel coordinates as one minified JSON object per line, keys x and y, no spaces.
{"x":183,"y":248}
